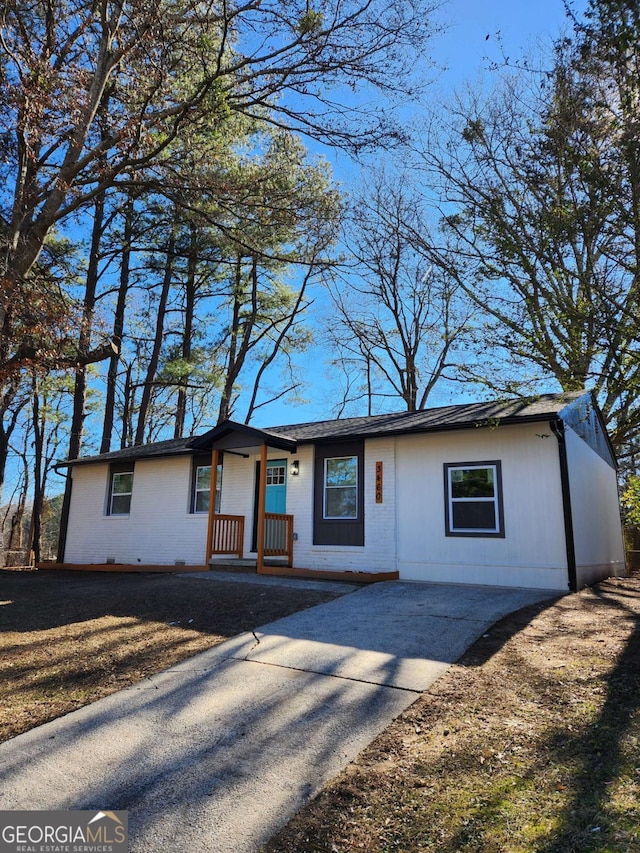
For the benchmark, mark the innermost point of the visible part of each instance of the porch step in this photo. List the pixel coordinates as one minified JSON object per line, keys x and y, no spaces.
{"x":235,"y":565}
{"x":232,"y":567}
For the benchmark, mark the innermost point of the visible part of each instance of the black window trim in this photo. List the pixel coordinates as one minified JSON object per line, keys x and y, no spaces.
{"x":347,"y":532}
{"x":479,"y":533}
{"x":326,"y":517}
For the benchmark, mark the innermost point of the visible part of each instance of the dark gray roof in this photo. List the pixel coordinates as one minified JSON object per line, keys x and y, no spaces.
{"x":463,"y":416}
{"x":171,"y":447}
{"x":539,"y":408}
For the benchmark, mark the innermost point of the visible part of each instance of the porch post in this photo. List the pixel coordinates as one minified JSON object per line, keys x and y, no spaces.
{"x":212,"y":502}
{"x":262,"y":501}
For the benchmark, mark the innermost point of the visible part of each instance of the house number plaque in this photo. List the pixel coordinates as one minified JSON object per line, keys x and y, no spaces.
{"x":378,"y":482}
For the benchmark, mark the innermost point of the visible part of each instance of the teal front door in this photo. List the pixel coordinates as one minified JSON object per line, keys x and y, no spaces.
{"x":276,"y":492}
{"x":276,"y":496}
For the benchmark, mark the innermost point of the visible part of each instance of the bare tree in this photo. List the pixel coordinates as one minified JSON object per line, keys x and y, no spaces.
{"x":396,"y":319}
{"x":539,"y":187}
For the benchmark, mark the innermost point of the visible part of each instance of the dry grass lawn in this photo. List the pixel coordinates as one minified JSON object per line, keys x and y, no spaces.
{"x":531,"y":744}
{"x":69,"y":638}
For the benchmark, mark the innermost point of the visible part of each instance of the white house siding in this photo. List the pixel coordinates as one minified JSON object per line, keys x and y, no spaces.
{"x":378,"y":553}
{"x":406,"y":532}
{"x":159,"y":529}
{"x":595,"y":513}
{"x":238,"y":491}
{"x":533,"y":551}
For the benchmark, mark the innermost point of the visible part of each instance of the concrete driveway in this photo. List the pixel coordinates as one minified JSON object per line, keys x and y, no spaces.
{"x":215,"y":754}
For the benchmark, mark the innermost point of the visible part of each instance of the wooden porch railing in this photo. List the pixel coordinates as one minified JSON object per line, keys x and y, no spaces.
{"x":228,"y":535}
{"x":278,"y":536}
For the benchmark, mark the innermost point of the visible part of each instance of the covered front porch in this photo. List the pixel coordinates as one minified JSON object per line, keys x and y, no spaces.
{"x":272,"y":535}
{"x":225,"y":540}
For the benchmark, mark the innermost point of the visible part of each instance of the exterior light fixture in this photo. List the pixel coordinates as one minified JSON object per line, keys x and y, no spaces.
{"x":295,"y":468}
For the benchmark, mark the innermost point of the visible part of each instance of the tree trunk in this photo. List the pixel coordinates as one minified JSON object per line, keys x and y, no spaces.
{"x":239,"y":336}
{"x":38,"y":444}
{"x":11,"y":408}
{"x":118,"y":330}
{"x":84,"y":339}
{"x":16,"y":539}
{"x":126,"y":435}
{"x":152,"y":367}
{"x":17,"y":519}
{"x":187,"y":339}
{"x":9,"y":393}
{"x":84,"y":345}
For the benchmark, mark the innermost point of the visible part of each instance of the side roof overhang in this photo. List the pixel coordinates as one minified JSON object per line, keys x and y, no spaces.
{"x":241,"y":438}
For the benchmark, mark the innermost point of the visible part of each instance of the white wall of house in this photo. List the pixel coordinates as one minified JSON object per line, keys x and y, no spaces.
{"x":159,"y":529}
{"x":379,"y":551}
{"x":595,"y":513}
{"x":378,"y":554}
{"x":238,"y":484}
{"x":404,"y":532}
{"x":533,"y":550}
{"x":239,"y":490}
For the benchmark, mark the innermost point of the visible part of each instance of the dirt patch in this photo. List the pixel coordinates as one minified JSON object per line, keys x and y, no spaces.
{"x":68,"y":639}
{"x":531,"y":744}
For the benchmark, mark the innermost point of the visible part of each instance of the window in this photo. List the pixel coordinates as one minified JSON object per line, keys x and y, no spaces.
{"x":201,"y":484}
{"x":473,"y":499}
{"x":203,"y":487}
{"x":338,"y":493}
{"x":341,"y":487}
{"x":276,"y":475}
{"x":120,"y":489}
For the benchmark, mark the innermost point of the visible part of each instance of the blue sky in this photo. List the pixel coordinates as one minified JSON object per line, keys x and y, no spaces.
{"x":477,"y":34}
{"x":465,"y":48}
{"x":464,"y":52}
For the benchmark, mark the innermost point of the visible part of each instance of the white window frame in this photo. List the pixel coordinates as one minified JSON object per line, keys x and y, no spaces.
{"x":280,"y":472}
{"x":113,"y":494}
{"x":326,"y":487}
{"x":498,"y":530}
{"x":197,"y":491}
